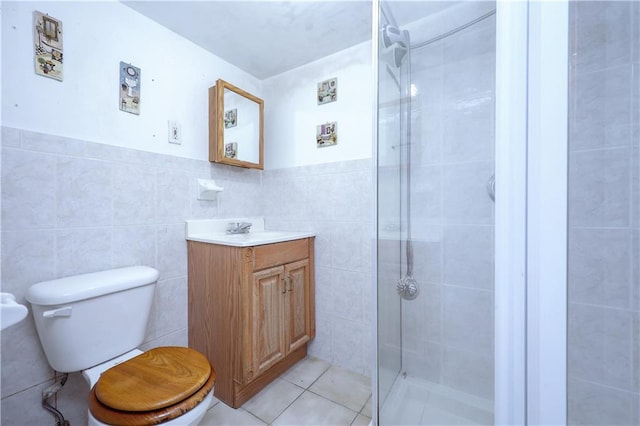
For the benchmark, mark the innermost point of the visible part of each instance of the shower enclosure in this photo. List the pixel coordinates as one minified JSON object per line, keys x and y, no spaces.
{"x":508,"y":172}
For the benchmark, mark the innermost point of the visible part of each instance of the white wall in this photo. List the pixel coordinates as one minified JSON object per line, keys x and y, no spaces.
{"x":292,"y":112}
{"x":97,"y":36}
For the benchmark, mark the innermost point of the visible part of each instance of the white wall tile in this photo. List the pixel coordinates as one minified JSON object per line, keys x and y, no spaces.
{"x":276,"y":197}
{"x":594,"y":404}
{"x":465,"y":199}
{"x":426,"y":366}
{"x":28,"y":190}
{"x":324,"y":291}
{"x":10,"y":137}
{"x":427,"y":125}
{"x":468,"y":129}
{"x":349,"y":196}
{"x":72,"y":399}
{"x":346,"y":246}
{"x":171,"y":306}
{"x":177,"y":338}
{"x":321,"y":195}
{"x":347,"y":294}
{"x":134,"y":194}
{"x":599,"y":188}
{"x":173,"y":204}
{"x":604,"y":31}
{"x":414,"y":324}
{"x":601,"y":116}
{"x":635,"y":269}
{"x":427,"y":260}
{"x":426,"y":196}
{"x":635,"y":183}
{"x":79,"y":251}
{"x":323,"y":243}
{"x":601,"y":345}
{"x":43,"y":142}
{"x":469,"y":372}
{"x":112,"y":153}
{"x":468,"y":256}
{"x":172,"y":251}
{"x":134,"y":245}
{"x":322,"y":345}
{"x":347,"y":344}
{"x":28,"y":257}
{"x":467,"y":320}
{"x":600,"y":267}
{"x":239,"y":199}
{"x":83,"y":191}
{"x":23,"y":361}
{"x":25,"y":408}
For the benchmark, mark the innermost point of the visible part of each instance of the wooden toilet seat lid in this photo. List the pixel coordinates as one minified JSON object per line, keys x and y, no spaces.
{"x":110,"y":416}
{"x":156,"y":379}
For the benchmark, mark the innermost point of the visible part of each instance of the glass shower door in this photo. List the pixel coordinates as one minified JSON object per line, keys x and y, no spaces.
{"x":389,"y":222}
{"x":436,"y":69}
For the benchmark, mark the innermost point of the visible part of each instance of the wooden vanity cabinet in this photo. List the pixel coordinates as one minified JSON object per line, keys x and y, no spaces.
{"x":251,"y":311}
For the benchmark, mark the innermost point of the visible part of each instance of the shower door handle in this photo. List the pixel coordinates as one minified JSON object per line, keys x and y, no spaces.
{"x":491,"y":187}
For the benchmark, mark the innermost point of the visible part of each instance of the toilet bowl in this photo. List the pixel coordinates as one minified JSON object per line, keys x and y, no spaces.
{"x":94,"y":323}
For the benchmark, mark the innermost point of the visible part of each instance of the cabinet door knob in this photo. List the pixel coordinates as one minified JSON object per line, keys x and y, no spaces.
{"x":289,"y":283}
{"x":284,"y":284}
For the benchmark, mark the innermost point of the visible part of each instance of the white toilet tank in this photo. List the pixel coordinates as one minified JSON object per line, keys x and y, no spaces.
{"x":85,"y":320}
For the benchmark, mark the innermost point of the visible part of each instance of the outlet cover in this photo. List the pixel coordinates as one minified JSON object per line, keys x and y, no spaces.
{"x":175,"y":134}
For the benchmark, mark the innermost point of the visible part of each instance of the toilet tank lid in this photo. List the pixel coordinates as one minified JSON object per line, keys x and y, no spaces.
{"x":86,"y":286}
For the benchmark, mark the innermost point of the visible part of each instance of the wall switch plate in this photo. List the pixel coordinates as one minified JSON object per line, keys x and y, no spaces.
{"x":175,"y":135}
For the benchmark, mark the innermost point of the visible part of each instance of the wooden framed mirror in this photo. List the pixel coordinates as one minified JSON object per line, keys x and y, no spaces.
{"x":235,"y":126}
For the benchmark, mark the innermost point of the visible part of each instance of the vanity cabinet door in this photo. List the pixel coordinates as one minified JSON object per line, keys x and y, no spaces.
{"x":267,"y":327}
{"x":297,"y":304}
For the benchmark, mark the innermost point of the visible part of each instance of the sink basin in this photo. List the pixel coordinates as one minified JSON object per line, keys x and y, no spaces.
{"x":213,"y":232}
{"x":12,"y":311}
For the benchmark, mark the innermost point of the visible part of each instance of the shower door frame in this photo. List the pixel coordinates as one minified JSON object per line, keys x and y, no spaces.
{"x":531,"y":220}
{"x":547,"y":212}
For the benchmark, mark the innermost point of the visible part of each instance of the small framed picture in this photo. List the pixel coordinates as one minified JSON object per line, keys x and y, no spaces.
{"x":328,"y":91}
{"x":231,"y":150}
{"x":231,"y":118}
{"x":129,"y":88}
{"x":47,"y":33}
{"x":327,"y":134}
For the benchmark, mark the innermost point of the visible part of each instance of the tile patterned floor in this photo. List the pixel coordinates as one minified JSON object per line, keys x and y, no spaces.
{"x":312,"y":392}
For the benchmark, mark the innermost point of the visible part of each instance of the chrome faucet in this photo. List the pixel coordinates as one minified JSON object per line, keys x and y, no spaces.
{"x":238,"y":227}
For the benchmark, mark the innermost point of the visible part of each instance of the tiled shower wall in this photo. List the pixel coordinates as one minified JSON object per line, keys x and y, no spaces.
{"x":71,"y":206}
{"x":447,"y":332}
{"x":604,"y":214}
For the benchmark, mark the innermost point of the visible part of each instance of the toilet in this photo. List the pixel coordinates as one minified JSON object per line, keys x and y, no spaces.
{"x":93,"y":323}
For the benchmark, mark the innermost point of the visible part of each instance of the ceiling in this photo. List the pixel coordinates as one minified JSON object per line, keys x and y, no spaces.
{"x":264,"y":38}
{"x":268,"y":37}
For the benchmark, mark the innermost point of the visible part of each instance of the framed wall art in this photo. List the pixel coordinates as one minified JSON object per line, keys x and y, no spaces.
{"x":327,"y":134}
{"x":129,"y":88}
{"x":47,"y":33}
{"x":328,"y":91}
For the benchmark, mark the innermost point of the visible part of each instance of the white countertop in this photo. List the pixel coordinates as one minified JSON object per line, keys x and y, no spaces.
{"x":213,"y":231}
